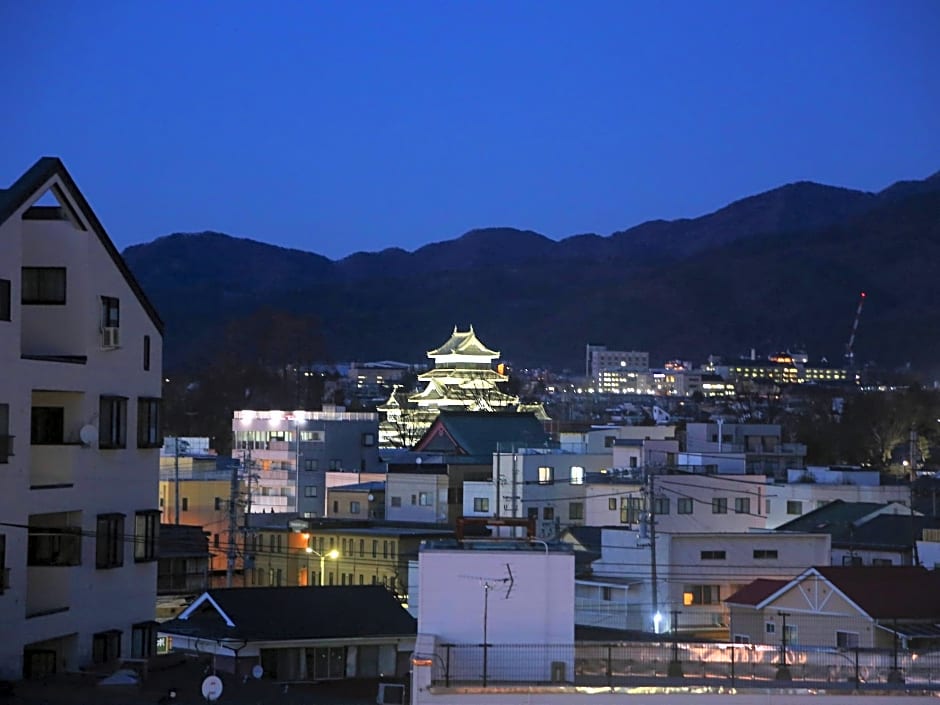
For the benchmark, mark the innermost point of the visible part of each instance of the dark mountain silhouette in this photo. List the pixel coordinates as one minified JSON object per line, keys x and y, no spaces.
{"x":773,"y":270}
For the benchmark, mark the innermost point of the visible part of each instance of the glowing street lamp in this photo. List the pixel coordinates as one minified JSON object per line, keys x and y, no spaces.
{"x":332,"y":554}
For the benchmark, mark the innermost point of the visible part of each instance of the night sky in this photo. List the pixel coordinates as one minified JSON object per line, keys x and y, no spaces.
{"x":343,"y":126}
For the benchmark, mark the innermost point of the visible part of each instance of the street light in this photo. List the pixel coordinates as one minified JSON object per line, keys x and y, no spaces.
{"x":332,"y":554}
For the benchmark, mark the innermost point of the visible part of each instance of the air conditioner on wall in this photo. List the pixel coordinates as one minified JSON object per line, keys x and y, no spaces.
{"x":110,"y":337}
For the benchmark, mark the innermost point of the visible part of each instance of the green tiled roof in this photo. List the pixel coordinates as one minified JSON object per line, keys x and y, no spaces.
{"x":480,"y":433}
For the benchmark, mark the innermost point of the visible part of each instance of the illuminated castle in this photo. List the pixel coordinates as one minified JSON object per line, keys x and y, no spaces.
{"x":462,"y":379}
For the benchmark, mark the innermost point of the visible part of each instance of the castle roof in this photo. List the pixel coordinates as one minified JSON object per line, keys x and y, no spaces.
{"x":463,"y":343}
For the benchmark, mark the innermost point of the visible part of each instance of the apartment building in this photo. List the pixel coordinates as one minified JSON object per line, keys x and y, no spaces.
{"x":81,"y":352}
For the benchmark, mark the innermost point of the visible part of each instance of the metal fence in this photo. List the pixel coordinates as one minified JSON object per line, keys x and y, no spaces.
{"x":645,"y":663}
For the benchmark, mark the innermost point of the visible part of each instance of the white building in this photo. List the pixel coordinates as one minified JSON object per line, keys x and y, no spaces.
{"x":695,"y":572}
{"x":80,"y":354}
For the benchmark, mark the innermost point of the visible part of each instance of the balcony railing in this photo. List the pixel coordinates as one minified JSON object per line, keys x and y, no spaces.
{"x":595,"y":664}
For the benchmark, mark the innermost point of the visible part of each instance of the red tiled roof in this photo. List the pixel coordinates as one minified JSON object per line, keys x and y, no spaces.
{"x":886,"y":592}
{"x":756,"y":592}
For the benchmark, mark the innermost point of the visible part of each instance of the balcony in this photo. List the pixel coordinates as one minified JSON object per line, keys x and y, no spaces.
{"x":47,"y":591}
{"x":52,"y":466}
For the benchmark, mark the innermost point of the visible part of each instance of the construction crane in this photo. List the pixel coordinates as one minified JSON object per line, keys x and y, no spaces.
{"x":849,"y":347}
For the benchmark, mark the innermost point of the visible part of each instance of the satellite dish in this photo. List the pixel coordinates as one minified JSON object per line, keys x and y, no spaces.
{"x":257,"y":671}
{"x":212,"y":688}
{"x":88,"y":434}
{"x":371,"y":497}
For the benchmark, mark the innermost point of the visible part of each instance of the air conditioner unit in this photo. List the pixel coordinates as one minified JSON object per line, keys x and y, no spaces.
{"x":110,"y":337}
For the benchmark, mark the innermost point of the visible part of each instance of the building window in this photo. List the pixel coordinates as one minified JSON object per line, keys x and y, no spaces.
{"x":310,"y":490}
{"x":368,"y":440}
{"x":577,"y":475}
{"x":54,"y":546}
{"x":146,"y":353}
{"x":396,"y":501}
{"x":481,"y":504}
{"x":184,"y":501}
{"x":355,"y":507}
{"x":606,"y":593}
{"x":791,"y":634}
{"x":110,"y":312}
{"x":770,"y":628}
{"x":701,"y":595}
{"x":546,"y":475}
{"x":6,"y":440}
{"x":146,"y":527}
{"x":148,"y":423}
{"x":845,"y":640}
{"x":548,"y":513}
{"x":712,"y":555}
{"x":47,"y":425}
{"x":424,"y":499}
{"x":311,"y":464}
{"x":882,"y":561}
{"x":630,"y":510}
{"x":112,"y":422}
{"x":336,"y":464}
{"x":853,"y":561}
{"x":4,"y":578}
{"x":143,"y":640}
{"x":576,"y":511}
{"x":5,"y":300}
{"x":719,"y":505}
{"x":684,"y":505}
{"x":109,"y":541}
{"x":661,"y":505}
{"x":106,"y":646}
{"x":612,"y":504}
{"x":794,"y":507}
{"x":375,"y":548}
{"x":216,"y":540}
{"x":742,"y":505}
{"x":43,"y":286}
{"x":218,"y":504}
{"x":765,"y":553}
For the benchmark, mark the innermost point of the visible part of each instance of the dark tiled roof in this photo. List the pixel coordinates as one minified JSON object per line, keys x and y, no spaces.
{"x":889,"y":531}
{"x":480,"y":433}
{"x":756,"y":592}
{"x":182,"y":541}
{"x":285,"y":613}
{"x":14,"y":197}
{"x":835,"y":518}
{"x":887,"y":592}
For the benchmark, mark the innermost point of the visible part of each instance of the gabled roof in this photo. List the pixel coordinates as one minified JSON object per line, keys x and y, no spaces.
{"x":463,"y":343}
{"x":837,"y":518}
{"x":756,"y":592}
{"x":291,"y":613}
{"x":35,"y":182}
{"x":881,"y":592}
{"x":896,"y":532}
{"x":481,"y":433}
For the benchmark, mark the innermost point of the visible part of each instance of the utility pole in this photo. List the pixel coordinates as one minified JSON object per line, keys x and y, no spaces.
{"x":232,"y":526}
{"x":652,"y":529}
{"x":246,"y":535}
{"x":176,"y":480}
{"x":783,"y":671}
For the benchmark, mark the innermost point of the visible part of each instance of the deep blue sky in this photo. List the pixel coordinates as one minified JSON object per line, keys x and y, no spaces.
{"x":344,"y":126}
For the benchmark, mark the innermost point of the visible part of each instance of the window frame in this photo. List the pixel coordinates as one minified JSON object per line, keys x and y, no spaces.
{"x":47,"y":425}
{"x":110,"y":312}
{"x":742,"y":505}
{"x":148,"y":422}
{"x":46,"y":291}
{"x":546,"y":475}
{"x":310,"y":491}
{"x":719,"y":505}
{"x":112,"y":422}
{"x":355,"y":506}
{"x":576,"y":475}
{"x":794,"y":504}
{"x":481,"y":504}
{"x":575,"y":511}
{"x":109,"y":541}
{"x":6,"y":300}
{"x":6,"y":440}
{"x":146,"y":534}
{"x":146,"y":353}
{"x":683,"y":504}
{"x":713,"y":555}
{"x":106,"y":646}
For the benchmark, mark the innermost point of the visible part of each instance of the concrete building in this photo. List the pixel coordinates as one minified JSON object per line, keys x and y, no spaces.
{"x":287,"y":455}
{"x":81,"y":359}
{"x":762,"y":446}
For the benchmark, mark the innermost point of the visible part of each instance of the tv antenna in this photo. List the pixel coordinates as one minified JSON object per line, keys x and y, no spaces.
{"x":489,"y":583}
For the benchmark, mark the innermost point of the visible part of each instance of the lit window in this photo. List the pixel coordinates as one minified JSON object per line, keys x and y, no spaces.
{"x":481,"y":504}
{"x":546,"y":475}
{"x":577,"y":475}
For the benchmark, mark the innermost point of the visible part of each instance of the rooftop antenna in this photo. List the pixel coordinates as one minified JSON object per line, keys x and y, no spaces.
{"x":488,"y":584}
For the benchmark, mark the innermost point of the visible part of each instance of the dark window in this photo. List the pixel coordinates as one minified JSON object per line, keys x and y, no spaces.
{"x":6,"y":440}
{"x":661,"y":505}
{"x":146,"y":526}
{"x":684,"y":505}
{"x":794,"y":507}
{"x":481,"y":504}
{"x":765,"y":553}
{"x":218,"y":504}
{"x":354,"y":507}
{"x":336,"y":506}
{"x":54,"y":546}
{"x":143,"y":640}
{"x":612,"y":504}
{"x":109,"y":541}
{"x":852,"y":560}
{"x":184,"y":501}
{"x":719,"y":505}
{"x":742,"y":505}
{"x":336,"y":464}
{"x":311,"y":464}
{"x":368,"y":440}
{"x":110,"y":312}
{"x":112,"y":422}
{"x":148,"y":423}
{"x":4,"y":299}
{"x":712,"y":555}
{"x":106,"y":646}
{"x":43,"y":285}
{"x":4,"y":577}
{"x":146,"y":352}
{"x":47,"y":425}
{"x":532,"y":512}
{"x":548,"y":513}
{"x":396,"y":501}
{"x":576,"y":511}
